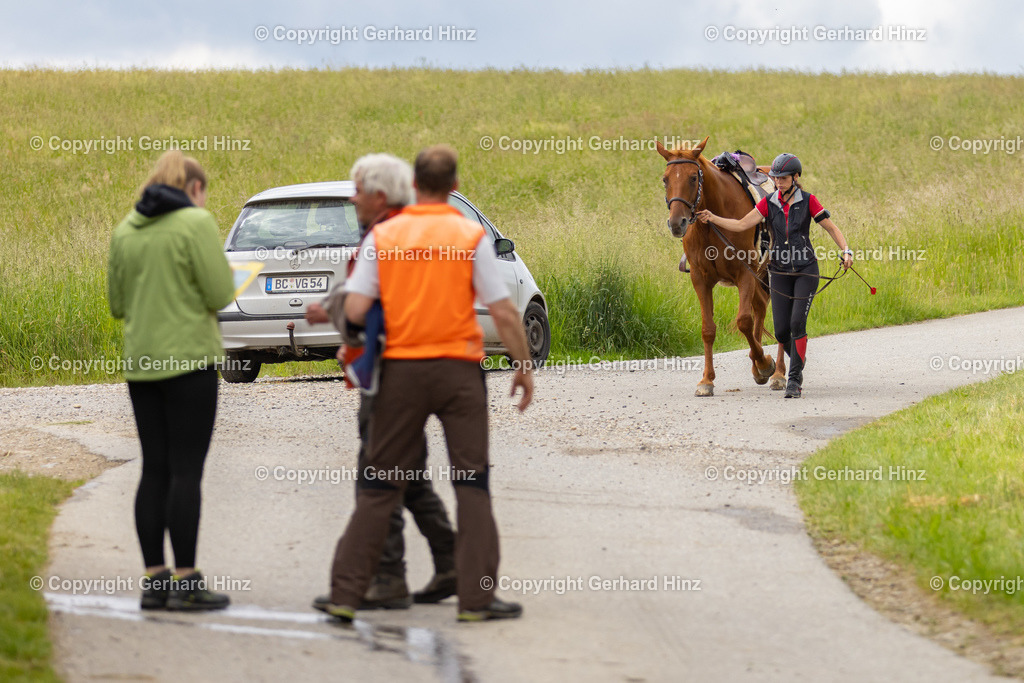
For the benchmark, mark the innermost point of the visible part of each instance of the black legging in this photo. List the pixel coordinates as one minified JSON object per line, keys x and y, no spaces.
{"x":175,"y":421}
{"x":790,"y":314}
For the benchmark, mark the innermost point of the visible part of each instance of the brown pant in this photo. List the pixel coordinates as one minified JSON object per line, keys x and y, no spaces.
{"x":411,"y":391}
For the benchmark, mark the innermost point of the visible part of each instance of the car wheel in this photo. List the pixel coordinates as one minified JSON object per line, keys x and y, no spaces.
{"x":240,"y":369}
{"x":538,"y":333}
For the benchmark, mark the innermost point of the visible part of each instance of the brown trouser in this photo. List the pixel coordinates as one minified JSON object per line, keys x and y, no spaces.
{"x":411,"y":391}
{"x":420,"y":499}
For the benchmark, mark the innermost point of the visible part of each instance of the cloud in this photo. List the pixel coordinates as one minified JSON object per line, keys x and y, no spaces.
{"x":571,"y":35}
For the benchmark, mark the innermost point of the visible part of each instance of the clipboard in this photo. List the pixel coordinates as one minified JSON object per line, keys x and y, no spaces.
{"x":244,"y":274}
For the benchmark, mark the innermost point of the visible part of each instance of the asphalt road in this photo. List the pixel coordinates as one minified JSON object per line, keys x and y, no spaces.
{"x":642,"y":554}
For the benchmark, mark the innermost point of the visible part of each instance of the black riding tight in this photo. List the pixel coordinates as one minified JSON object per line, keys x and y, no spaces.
{"x":175,"y":421}
{"x":791,"y":303}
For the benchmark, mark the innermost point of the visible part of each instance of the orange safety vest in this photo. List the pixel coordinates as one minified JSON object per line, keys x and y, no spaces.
{"x":425,"y":263}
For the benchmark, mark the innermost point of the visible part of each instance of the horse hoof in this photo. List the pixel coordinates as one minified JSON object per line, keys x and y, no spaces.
{"x":762,"y":377}
{"x":705,"y":390}
{"x":778,"y":383}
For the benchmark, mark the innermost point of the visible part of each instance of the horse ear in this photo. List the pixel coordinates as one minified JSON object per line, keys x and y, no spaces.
{"x":662,"y":151}
{"x":700,"y":148}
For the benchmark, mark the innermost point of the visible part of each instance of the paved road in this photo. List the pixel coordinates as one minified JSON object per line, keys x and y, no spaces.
{"x":605,"y":478}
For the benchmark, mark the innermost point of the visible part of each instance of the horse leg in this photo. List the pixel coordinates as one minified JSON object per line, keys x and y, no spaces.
{"x":779,"y":378}
{"x":750,"y":322}
{"x":706,"y":386}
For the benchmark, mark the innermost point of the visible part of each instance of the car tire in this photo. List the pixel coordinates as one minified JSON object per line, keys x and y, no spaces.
{"x":538,"y":333}
{"x":240,"y":369}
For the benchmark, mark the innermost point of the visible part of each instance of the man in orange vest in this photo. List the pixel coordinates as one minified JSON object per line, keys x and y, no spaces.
{"x":383,"y":189}
{"x":428,"y":264}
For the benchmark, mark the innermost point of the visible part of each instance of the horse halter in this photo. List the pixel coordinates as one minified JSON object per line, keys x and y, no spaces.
{"x":700,"y":187}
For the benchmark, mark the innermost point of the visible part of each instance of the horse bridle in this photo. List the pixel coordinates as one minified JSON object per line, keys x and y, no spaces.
{"x":700,"y":187}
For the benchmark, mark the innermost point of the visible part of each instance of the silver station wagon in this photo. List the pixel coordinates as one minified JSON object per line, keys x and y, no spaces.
{"x":303,"y":236}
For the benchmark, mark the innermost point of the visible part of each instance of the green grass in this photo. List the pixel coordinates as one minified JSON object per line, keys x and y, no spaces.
{"x":27,"y":508}
{"x":590,"y":223}
{"x":966,"y":520}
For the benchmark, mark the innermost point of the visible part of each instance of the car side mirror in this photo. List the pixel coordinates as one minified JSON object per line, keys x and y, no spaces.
{"x":504,"y":246}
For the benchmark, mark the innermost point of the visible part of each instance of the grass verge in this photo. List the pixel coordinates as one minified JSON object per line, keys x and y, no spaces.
{"x":28,"y":505}
{"x":942,"y":497}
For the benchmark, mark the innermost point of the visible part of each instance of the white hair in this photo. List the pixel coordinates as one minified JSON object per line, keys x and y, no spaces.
{"x":388,"y":174}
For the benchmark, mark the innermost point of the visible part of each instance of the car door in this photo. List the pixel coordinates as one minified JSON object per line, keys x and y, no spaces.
{"x":506,"y":266}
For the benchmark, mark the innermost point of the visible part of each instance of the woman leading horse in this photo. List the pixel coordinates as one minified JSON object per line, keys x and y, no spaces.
{"x":793,"y":267}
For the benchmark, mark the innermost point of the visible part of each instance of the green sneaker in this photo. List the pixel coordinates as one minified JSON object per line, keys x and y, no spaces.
{"x":498,"y":609}
{"x":189,"y":594}
{"x":342,"y":613}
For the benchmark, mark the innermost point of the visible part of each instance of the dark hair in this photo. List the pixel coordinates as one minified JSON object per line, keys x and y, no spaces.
{"x":436,"y":169}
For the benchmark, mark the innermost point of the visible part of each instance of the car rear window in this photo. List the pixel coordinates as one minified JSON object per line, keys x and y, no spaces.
{"x":295,"y":224}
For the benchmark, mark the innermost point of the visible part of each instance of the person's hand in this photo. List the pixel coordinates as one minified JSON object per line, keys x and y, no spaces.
{"x":524,"y":379}
{"x":342,"y":350}
{"x":705,"y":216}
{"x":315,"y":313}
{"x":847,"y":259}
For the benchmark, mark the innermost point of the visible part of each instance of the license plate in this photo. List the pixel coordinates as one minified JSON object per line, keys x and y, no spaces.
{"x":306,"y":283}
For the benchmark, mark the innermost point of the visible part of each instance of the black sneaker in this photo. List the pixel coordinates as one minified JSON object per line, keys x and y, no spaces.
{"x":189,"y":594}
{"x":387,"y":592}
{"x":793,"y":390}
{"x":498,"y":609}
{"x":155,"y":589}
{"x":442,"y":586}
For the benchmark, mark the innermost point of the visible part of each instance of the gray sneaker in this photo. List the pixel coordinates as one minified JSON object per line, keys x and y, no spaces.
{"x":498,"y":609}
{"x":387,"y":592}
{"x":442,"y":586}
{"x":189,"y":594}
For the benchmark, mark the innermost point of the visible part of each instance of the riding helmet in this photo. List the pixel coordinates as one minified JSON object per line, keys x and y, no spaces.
{"x":785,"y":164}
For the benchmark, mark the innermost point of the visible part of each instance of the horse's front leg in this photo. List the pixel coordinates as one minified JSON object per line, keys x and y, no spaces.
{"x":706,"y":387}
{"x":778,"y":382}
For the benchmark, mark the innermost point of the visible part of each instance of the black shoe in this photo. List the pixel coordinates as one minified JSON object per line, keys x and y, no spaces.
{"x":498,"y":609}
{"x":442,"y":586}
{"x":387,"y":592}
{"x":155,"y":589}
{"x":189,"y":594}
{"x":793,"y":389}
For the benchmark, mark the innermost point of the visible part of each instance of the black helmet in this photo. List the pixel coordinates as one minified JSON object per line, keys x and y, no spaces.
{"x":785,"y":164}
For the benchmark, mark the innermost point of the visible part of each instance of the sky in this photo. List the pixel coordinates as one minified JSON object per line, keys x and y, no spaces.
{"x":939,"y":36}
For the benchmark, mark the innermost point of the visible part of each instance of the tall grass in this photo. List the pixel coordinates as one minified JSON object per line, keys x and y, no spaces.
{"x":590,"y":223}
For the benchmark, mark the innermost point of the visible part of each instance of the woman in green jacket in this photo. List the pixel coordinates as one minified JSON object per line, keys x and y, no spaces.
{"x":167,"y":278}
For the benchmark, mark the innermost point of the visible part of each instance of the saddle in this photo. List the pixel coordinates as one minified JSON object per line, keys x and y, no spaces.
{"x":743,"y":167}
{"x":758,"y":185}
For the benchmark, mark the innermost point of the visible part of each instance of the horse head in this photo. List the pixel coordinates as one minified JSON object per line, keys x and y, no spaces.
{"x":684,"y":185}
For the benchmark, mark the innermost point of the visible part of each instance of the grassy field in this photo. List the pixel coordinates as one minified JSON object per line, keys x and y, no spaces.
{"x":589,"y":222}
{"x":27,"y":507}
{"x":959,"y":531}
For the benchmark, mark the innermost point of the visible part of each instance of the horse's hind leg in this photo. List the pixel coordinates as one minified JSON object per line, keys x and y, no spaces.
{"x":706,"y":386}
{"x":750,"y":322}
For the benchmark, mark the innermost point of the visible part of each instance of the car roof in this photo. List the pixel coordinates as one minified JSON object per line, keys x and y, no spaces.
{"x":339,"y":189}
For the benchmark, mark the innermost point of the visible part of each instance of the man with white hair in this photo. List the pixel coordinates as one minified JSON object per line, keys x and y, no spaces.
{"x":383,"y":188}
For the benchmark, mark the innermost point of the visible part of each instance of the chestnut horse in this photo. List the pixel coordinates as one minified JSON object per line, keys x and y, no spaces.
{"x":693,"y":183}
